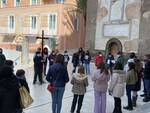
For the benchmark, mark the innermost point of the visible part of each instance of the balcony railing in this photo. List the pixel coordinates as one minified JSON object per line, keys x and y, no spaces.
{"x":6,"y":30}
{"x":28,"y":31}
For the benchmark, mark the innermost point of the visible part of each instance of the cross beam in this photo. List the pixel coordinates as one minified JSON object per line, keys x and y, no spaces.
{"x":42,"y":38}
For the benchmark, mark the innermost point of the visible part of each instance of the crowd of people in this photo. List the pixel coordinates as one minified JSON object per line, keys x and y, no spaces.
{"x":112,"y":74}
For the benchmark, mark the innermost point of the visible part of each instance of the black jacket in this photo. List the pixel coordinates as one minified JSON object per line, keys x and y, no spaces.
{"x":9,"y":95}
{"x":38,"y":63}
{"x":147,"y":70}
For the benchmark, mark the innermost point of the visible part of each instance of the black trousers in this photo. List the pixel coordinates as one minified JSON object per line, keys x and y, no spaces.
{"x":79,"y":99}
{"x":117,"y":105}
{"x":37,"y":73}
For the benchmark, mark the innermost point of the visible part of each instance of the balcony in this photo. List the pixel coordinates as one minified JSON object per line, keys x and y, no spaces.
{"x":29,"y":31}
{"x":6,"y":30}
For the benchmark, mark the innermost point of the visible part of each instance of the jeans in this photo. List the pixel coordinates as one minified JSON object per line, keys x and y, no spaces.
{"x":87,"y":68}
{"x":129,"y":88}
{"x":79,"y":99}
{"x":57,"y":95}
{"x":147,"y":86}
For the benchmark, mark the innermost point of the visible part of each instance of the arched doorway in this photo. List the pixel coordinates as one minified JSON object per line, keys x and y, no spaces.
{"x":113,"y":46}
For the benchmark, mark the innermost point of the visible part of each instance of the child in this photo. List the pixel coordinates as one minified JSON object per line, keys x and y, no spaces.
{"x":130,"y":84}
{"x":100,"y":79}
{"x":20,"y":74}
{"x":79,"y":82}
{"x":117,"y":86}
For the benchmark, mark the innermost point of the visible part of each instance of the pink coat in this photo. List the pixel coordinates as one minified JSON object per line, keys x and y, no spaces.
{"x":100,"y":81}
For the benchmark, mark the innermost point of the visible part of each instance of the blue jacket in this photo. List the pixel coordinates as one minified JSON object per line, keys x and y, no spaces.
{"x":57,"y":75}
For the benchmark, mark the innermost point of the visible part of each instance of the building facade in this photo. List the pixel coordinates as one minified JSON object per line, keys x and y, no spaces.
{"x":144,"y":45}
{"x":21,"y":21}
{"x":117,"y":25}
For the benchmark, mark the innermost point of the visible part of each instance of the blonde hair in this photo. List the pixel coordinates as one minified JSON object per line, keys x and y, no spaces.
{"x":81,"y":69}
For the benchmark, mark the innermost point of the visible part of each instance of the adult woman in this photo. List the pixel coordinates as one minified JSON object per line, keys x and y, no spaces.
{"x":58,"y":77}
{"x":117,"y":85}
{"x":139,"y":72}
{"x":87,"y":60}
{"x":100,"y":79}
{"x":9,"y":94}
{"x":52,"y":57}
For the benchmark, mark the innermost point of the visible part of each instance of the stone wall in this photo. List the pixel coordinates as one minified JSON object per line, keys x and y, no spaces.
{"x":144,"y":45}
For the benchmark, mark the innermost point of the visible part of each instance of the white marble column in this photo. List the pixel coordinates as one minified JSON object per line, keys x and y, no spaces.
{"x":25,"y":51}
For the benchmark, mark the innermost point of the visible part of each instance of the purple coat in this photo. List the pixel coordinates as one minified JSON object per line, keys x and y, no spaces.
{"x":100,"y":81}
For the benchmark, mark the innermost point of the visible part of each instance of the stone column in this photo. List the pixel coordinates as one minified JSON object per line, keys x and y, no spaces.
{"x":91,"y":24}
{"x":25,"y":51}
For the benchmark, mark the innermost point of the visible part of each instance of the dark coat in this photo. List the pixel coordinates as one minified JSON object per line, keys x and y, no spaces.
{"x":75,"y":59}
{"x":109,"y":61}
{"x":9,"y":96}
{"x":24,"y":83}
{"x":57,"y":75}
{"x":147,"y":70}
{"x":87,"y":59}
{"x":38,"y":65}
{"x":2,"y":59}
{"x":51,"y":59}
{"x":81,"y":56}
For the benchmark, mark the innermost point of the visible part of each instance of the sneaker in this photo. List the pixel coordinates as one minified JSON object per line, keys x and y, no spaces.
{"x":146,"y":99}
{"x":143,"y":95}
{"x":34,"y":82}
{"x":128,"y":108}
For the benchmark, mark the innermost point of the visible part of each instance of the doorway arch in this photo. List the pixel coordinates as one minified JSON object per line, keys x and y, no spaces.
{"x":113,"y":46}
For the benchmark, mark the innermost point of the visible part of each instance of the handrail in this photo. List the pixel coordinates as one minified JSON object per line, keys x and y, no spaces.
{"x":17,"y":58}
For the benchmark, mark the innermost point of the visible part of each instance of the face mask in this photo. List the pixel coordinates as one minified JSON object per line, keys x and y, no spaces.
{"x":38,"y":54}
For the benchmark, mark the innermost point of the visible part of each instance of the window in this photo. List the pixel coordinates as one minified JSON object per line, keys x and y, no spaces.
{"x":33,"y":2}
{"x":75,"y":24}
{"x":17,"y":3}
{"x":11,"y":22}
{"x":33,"y":22}
{"x":60,"y":1}
{"x":52,"y":21}
{"x":3,"y":3}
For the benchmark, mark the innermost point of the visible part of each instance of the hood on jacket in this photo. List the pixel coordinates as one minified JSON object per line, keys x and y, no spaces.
{"x":120,"y":72}
{"x":77,"y":76}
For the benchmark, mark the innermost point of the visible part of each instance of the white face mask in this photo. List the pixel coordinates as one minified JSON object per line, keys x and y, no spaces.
{"x":38,"y":54}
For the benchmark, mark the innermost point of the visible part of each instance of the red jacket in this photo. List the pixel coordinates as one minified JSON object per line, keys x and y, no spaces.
{"x":98,"y":59}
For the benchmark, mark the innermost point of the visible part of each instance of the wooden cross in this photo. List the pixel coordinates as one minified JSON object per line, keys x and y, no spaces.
{"x":42,"y":41}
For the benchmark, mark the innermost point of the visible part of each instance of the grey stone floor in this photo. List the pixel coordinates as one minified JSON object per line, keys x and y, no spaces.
{"x":42,"y":98}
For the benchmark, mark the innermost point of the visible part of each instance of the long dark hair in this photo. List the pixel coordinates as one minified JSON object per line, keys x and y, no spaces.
{"x":103,"y":68}
{"x":59,"y":59}
{"x":118,"y":66}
